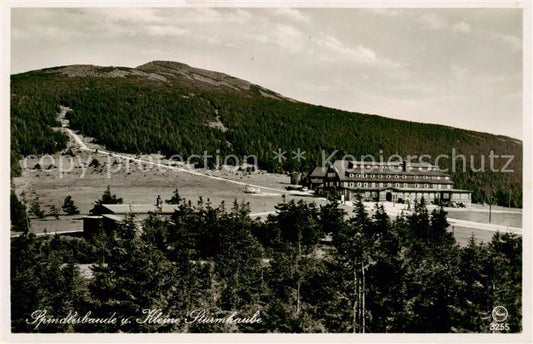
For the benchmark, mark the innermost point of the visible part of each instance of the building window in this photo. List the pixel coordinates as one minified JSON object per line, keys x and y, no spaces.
{"x":426,"y":186}
{"x":397,"y":185}
{"x":416,"y":185}
{"x":389,"y":184}
{"x":380,"y":185}
{"x":448,"y":187}
{"x":359,"y":184}
{"x":373,"y":185}
{"x":396,"y":176}
{"x":366,"y":185}
{"x":351,"y":185}
{"x":404,"y":185}
{"x":351,"y":175}
{"x":416,"y":177}
{"x":404,"y":176}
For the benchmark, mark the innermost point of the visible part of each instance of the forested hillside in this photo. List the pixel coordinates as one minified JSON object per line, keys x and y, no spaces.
{"x":176,"y":109}
{"x":376,"y":276}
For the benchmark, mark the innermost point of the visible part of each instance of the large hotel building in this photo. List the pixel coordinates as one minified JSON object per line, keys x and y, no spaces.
{"x":386,"y":181}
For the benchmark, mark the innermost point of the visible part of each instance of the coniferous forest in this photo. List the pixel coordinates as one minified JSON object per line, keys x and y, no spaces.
{"x":172,"y":108}
{"x":304,"y":269}
{"x":374,"y":275}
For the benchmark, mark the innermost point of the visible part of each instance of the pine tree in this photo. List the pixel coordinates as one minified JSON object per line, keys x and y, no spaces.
{"x":35,"y":208}
{"x":19,"y":218}
{"x":472,"y":307}
{"x":175,"y":199}
{"x":107,"y":198}
{"x":431,"y":269}
{"x":505,"y":276}
{"x":352,"y":256}
{"x":42,"y":277}
{"x":68,"y":206}
{"x":54,"y":211}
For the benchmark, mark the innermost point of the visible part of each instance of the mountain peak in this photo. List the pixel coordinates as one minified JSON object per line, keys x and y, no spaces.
{"x":163,"y":64}
{"x":183,"y":71}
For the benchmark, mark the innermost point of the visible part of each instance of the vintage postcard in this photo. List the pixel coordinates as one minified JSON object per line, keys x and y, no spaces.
{"x":245,"y":172}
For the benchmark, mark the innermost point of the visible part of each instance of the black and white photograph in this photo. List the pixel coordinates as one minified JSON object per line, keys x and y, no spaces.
{"x":246,"y":168}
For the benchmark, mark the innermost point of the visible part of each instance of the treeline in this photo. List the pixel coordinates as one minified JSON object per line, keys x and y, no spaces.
{"x":374,"y":276}
{"x":140,"y":115}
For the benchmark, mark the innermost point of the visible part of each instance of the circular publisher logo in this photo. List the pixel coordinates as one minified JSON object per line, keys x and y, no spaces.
{"x":499,"y":314}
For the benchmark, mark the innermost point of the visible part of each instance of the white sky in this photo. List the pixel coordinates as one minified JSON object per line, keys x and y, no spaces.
{"x":459,"y":67}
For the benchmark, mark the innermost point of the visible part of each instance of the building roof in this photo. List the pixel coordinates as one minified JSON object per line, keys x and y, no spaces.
{"x":400,"y":189}
{"x":344,"y":166}
{"x":409,"y":180}
{"x":318,"y":172}
{"x":391,"y":163}
{"x":116,"y":218}
{"x":138,"y":208}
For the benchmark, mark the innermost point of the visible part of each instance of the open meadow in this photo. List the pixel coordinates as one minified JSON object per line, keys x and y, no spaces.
{"x":139,"y":180}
